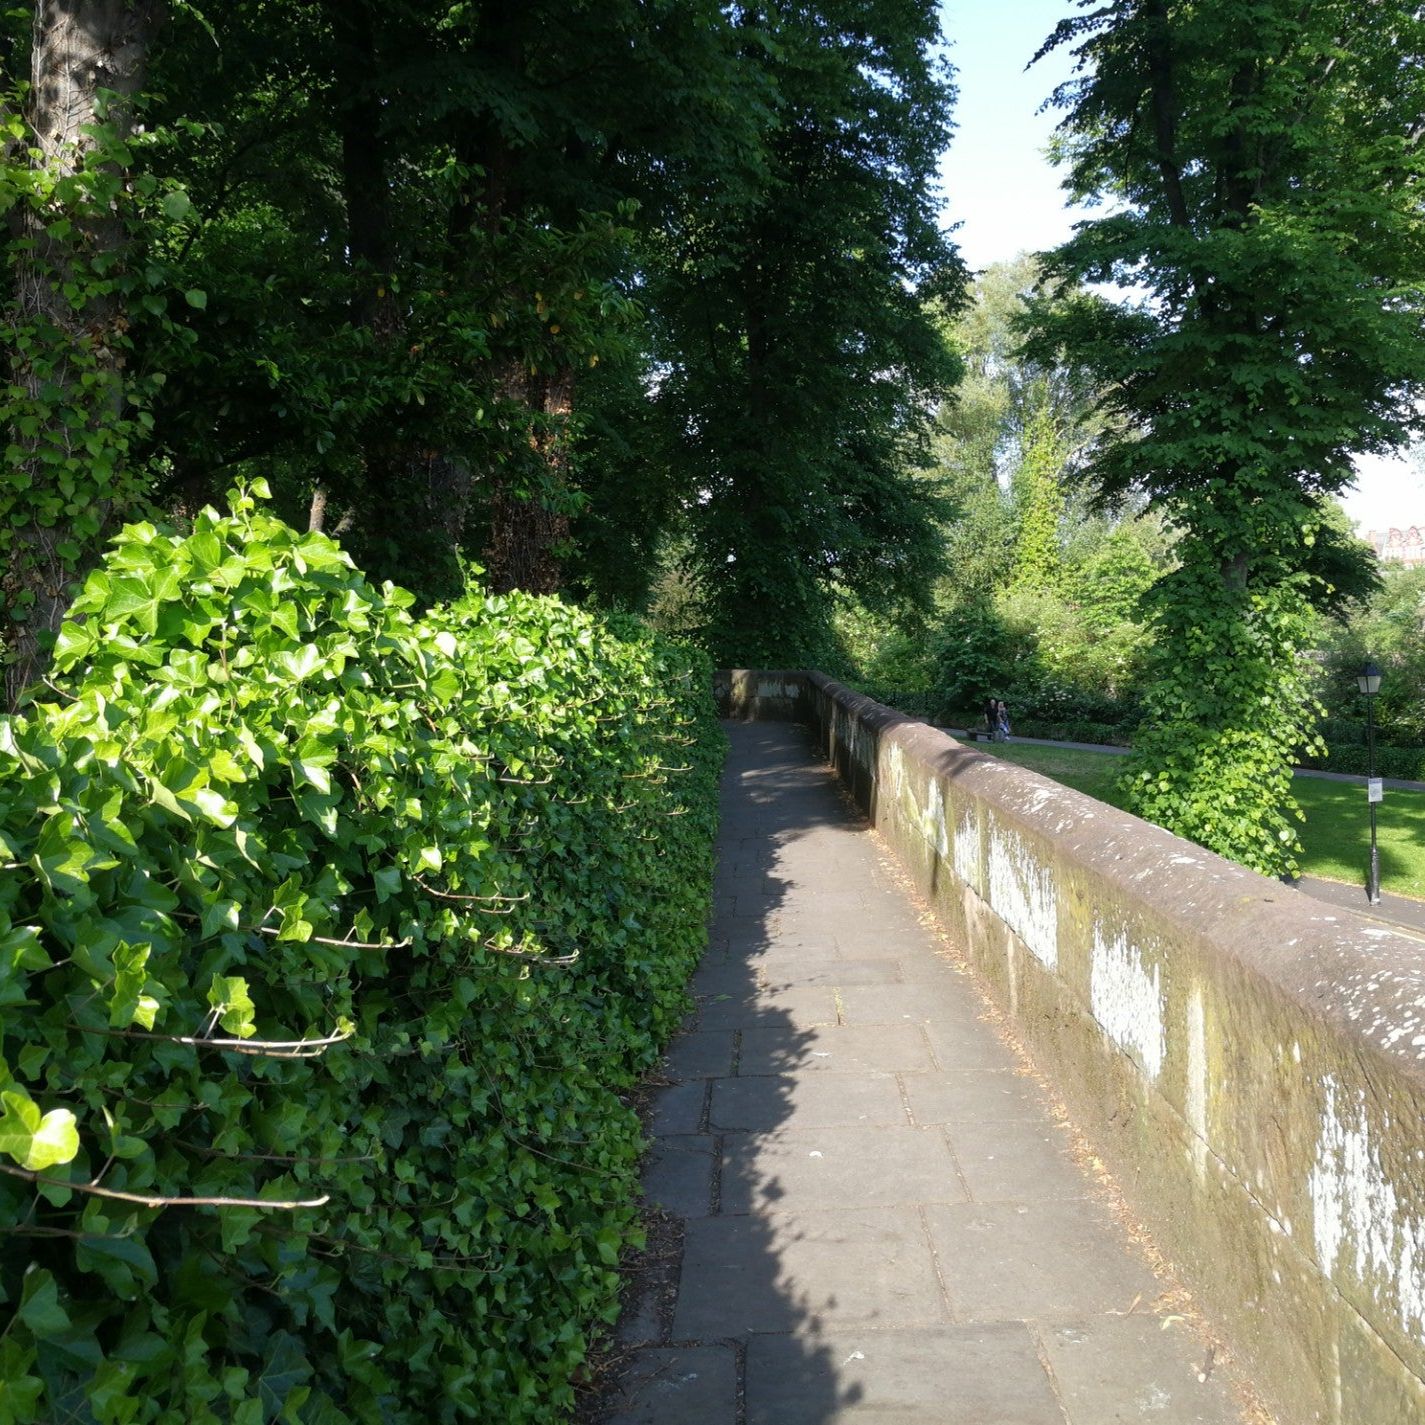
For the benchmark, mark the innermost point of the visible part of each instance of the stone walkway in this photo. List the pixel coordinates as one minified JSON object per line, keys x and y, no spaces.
{"x":874,"y":1218}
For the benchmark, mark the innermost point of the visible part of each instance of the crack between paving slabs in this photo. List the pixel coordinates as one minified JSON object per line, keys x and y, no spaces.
{"x":940,"y":1281}
{"x":1042,"y":1351}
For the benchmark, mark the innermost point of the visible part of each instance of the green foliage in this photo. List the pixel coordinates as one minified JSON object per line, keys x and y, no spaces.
{"x":76,"y":400}
{"x":552,"y":288}
{"x":381,"y":253}
{"x":304,"y":901}
{"x":1039,"y":504}
{"x":974,"y":657}
{"x":1389,"y":627}
{"x":791,"y":320}
{"x":1263,"y":165}
{"x":1407,"y":763}
{"x":1064,"y":664}
{"x":913,"y":701}
{"x":1038,"y":600}
{"x":1106,"y":734}
{"x":1108,"y":580}
{"x":1227,"y":710}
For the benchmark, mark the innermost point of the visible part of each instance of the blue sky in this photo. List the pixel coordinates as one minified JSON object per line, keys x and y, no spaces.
{"x":1006,"y":198}
{"x":997,"y":183}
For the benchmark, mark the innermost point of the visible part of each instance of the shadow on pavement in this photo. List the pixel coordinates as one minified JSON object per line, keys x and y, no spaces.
{"x":719,"y":1284}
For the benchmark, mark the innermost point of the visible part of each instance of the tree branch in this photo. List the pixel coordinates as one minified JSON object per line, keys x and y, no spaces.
{"x":147,"y":1200}
{"x":259,"y":1048}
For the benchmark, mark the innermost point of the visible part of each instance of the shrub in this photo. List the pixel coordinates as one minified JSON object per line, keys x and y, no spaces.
{"x":973,"y":658}
{"x":365,"y":920}
{"x":914,"y":702}
{"x":1407,"y":763}
{"x":1109,"y":733}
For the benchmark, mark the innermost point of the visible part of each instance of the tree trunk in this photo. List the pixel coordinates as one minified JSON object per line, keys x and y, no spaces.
{"x":528,"y":528}
{"x":364,"y":182}
{"x":80,"y":49}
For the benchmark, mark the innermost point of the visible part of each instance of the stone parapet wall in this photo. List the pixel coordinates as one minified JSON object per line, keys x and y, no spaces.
{"x":760,"y":695}
{"x":1249,"y":1063}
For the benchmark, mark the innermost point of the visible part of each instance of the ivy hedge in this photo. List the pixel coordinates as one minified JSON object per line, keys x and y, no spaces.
{"x":362,"y":925}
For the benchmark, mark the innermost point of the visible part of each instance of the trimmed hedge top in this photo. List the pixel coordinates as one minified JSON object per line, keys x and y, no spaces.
{"x":359,"y":925}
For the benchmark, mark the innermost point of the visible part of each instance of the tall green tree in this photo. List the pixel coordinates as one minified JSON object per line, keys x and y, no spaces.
{"x":416,"y":226}
{"x":798,"y":361}
{"x":1259,"y":167}
{"x":529,"y":283}
{"x":1007,"y":440}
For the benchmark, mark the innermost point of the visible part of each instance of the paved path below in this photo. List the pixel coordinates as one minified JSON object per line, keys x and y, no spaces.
{"x":876,"y":1219}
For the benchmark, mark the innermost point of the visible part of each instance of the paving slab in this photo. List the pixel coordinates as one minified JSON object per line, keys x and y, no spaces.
{"x":942,"y":1375}
{"x":837,"y":1167}
{"x":679,"y":1107}
{"x":1041,"y":1261}
{"x":968,"y":1045}
{"x":875,"y":1219}
{"x":790,"y":973}
{"x":1136,"y":1368}
{"x":703,"y":1054}
{"x":1016,"y":1160}
{"x":740,"y":927}
{"x":678,"y":1176}
{"x":718,"y":977}
{"x":972,"y":1096}
{"x":692,"y":1385}
{"x":793,"y":952}
{"x":799,"y":1008}
{"x":769,"y":1103}
{"x":841,"y":1049}
{"x":858,"y":1266}
{"x":873,"y":941}
{"x":913,"y":1003}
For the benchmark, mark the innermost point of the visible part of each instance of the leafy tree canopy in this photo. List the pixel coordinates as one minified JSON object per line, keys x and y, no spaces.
{"x":1259,"y":167}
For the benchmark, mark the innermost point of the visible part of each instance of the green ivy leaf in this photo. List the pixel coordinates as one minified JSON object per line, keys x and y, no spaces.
{"x":228,"y":996}
{"x":40,"y":1307}
{"x":36,"y":1142}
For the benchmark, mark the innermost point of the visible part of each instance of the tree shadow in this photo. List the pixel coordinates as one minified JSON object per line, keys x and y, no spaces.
{"x":730,"y":1280}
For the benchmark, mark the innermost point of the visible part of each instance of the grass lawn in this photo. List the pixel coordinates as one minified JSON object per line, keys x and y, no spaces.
{"x":1335,"y":837}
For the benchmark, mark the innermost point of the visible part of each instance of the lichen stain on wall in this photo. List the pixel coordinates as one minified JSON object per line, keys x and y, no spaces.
{"x":1127,"y":999}
{"x":902,"y":798}
{"x":967,"y":849}
{"x":933,"y":825}
{"x":1021,"y":891}
{"x":1360,"y":1223}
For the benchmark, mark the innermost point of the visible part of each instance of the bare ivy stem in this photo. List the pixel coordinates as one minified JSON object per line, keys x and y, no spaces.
{"x":148,"y":1200}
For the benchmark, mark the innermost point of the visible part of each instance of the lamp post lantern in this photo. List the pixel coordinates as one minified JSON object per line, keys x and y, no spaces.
{"x":1368,"y":681}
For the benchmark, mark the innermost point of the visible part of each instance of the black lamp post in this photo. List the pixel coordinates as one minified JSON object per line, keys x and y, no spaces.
{"x":1368,"y":681}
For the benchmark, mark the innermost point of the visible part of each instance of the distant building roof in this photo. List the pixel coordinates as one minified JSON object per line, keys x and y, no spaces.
{"x":1399,"y":545}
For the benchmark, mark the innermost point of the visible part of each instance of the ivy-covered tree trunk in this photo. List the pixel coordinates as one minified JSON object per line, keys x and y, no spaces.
{"x":1039,"y":501}
{"x":1264,"y":159}
{"x":529,"y":525}
{"x":366,"y":195}
{"x":68,"y":438}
